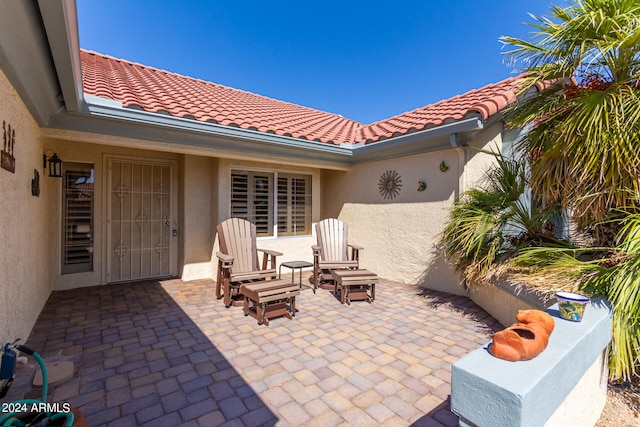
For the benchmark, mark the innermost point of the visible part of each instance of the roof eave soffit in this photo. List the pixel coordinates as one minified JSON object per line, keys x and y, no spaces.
{"x":100,"y":115}
{"x":60,"y":21}
{"x":25,"y":59}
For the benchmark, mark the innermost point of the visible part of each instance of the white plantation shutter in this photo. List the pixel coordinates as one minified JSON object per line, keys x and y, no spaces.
{"x":251,"y":199}
{"x":254,"y":197}
{"x":294,"y":205}
{"x":262,"y":204}
{"x":77,"y":218}
{"x":239,"y":196}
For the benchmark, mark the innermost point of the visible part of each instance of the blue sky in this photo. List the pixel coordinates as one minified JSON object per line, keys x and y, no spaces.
{"x":365,"y":60}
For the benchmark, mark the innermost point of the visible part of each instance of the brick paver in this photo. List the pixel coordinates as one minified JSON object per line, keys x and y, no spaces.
{"x":169,"y":353}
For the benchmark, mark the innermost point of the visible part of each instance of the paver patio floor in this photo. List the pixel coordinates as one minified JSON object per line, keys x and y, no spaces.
{"x":167,"y":353}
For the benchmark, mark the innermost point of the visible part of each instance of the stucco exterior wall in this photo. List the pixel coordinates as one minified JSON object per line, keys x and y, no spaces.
{"x":478,"y":157}
{"x":401,"y":235}
{"x":203,"y":202}
{"x":196,"y":213}
{"x":25,"y":224}
{"x":96,"y":154}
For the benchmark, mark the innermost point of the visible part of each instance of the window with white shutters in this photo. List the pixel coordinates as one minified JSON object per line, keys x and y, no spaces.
{"x":294,"y":205}
{"x":283,"y":209}
{"x":252,"y":199}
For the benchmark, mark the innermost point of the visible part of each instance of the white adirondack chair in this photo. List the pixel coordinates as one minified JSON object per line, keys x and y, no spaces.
{"x":331,"y":252}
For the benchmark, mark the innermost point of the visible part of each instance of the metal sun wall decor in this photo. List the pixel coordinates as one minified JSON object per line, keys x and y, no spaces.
{"x":389,"y":184}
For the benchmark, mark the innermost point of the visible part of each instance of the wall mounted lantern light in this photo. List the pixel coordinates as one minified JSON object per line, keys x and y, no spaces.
{"x":55,"y":165}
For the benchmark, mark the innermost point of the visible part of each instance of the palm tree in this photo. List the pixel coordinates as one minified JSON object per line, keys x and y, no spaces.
{"x":490,"y":223}
{"x":584,"y":152}
{"x":609,"y":272}
{"x":584,"y":147}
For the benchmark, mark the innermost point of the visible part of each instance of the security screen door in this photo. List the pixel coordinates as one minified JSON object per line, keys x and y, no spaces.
{"x":141,"y":222}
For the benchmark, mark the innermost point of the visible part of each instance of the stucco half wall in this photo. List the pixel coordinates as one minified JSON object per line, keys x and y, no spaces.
{"x":25,"y":223}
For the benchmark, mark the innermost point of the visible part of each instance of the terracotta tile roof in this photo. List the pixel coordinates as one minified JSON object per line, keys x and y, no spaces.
{"x":482,"y":103}
{"x":154,"y":90}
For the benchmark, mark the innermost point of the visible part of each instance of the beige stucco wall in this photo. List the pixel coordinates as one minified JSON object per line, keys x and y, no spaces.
{"x":401,"y":235}
{"x":96,"y":154}
{"x":203,"y":202}
{"x":197,"y":213}
{"x":478,"y":157}
{"x":25,"y":224}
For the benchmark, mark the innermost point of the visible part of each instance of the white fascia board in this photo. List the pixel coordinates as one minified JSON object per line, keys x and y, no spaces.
{"x":61,"y":25}
{"x":429,"y":140}
{"x":466,"y":125}
{"x":113,"y":110}
{"x":394,"y":147}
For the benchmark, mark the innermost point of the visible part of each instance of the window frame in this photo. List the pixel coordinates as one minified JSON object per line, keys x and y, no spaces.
{"x":292,"y":208}
{"x":273,"y":208}
{"x":70,"y":236}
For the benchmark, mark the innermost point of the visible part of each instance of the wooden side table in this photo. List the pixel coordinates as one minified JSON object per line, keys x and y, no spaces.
{"x":355,"y":285}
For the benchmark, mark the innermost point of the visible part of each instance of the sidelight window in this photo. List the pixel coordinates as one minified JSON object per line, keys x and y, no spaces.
{"x":77,"y":218}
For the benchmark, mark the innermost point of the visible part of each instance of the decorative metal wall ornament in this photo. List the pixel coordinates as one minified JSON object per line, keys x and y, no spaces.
{"x":389,"y":184}
{"x":7,"y":159}
{"x":422,"y":185}
{"x":443,"y":167}
{"x":35,"y":183}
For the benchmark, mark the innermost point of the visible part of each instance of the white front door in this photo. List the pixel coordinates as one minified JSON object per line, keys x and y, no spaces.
{"x":141,"y":223}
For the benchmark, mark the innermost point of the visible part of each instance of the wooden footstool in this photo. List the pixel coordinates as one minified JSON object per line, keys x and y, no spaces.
{"x":355,"y":285}
{"x":264,"y":300}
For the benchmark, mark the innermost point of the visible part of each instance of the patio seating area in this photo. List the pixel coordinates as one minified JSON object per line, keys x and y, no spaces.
{"x":168,"y":353}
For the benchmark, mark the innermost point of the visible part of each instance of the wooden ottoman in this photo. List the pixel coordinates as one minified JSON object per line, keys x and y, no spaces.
{"x":264,"y":300}
{"x":355,"y":285}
